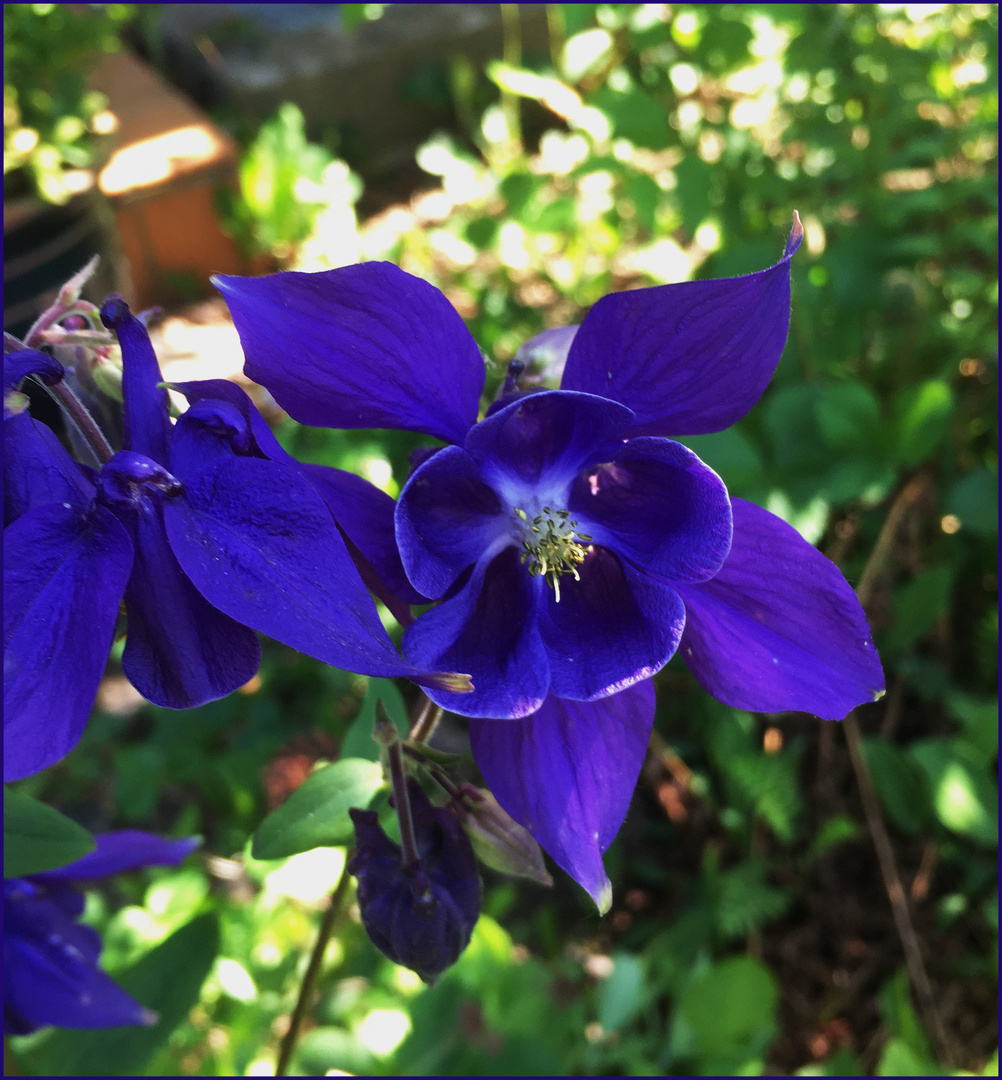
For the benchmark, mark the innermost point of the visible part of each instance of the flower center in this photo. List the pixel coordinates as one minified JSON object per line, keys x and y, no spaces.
{"x":552,"y":546}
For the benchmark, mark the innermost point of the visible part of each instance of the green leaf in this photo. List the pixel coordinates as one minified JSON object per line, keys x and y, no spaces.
{"x":745,"y":901}
{"x":849,"y":417}
{"x":167,"y":979}
{"x":901,"y":787}
{"x":974,"y":499}
{"x":622,"y":994}
{"x":316,"y":814}
{"x":917,"y":605}
{"x":980,"y":717}
{"x":923,"y":415}
{"x":36,"y":837}
{"x":963,"y":795}
{"x":358,"y":742}
{"x":730,"y":1010}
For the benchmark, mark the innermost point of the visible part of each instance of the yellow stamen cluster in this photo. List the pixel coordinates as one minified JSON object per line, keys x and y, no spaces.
{"x":553,"y":546}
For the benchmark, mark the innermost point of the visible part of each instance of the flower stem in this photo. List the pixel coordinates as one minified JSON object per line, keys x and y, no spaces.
{"x":398,"y":781}
{"x":426,"y":718}
{"x":82,"y":420}
{"x":434,"y":771}
{"x":312,"y":971}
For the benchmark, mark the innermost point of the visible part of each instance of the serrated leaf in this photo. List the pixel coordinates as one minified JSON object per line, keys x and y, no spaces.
{"x":316,"y":814}
{"x":37,"y":837}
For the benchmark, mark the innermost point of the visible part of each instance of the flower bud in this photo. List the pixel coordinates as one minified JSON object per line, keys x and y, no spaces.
{"x":421,"y":915}
{"x":498,"y":840}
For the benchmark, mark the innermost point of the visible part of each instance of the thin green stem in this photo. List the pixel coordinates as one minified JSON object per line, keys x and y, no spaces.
{"x":82,"y":419}
{"x":426,"y":718}
{"x":312,"y":971}
{"x":398,"y":781}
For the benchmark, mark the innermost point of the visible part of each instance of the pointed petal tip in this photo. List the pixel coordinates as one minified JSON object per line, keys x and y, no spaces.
{"x":603,"y":897}
{"x":455,"y":682}
{"x":796,"y":237}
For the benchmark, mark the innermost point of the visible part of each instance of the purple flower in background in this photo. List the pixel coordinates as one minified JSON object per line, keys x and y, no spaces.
{"x":204,"y":539}
{"x":421,"y":915}
{"x":572,"y":544}
{"x":51,"y":972}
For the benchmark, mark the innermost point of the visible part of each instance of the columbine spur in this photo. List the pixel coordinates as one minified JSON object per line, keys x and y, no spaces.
{"x":574,"y":546}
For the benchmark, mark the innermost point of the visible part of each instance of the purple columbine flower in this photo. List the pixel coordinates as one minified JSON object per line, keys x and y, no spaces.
{"x":51,"y":972}
{"x":573,"y":545}
{"x":422,"y":915}
{"x":204,"y":538}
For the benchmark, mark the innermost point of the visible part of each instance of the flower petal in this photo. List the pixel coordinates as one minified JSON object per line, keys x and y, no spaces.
{"x":362,"y":512}
{"x":147,"y":409}
{"x":117,"y":852}
{"x":22,"y":362}
{"x":64,"y":575}
{"x":365,"y":516}
{"x":541,"y":441}
{"x":260,"y":544}
{"x":38,"y":470}
{"x":567,"y":774}
{"x":779,"y":628}
{"x":609,"y":630}
{"x":447,"y":519}
{"x":359,"y":347}
{"x":489,"y":630}
{"x":659,"y":506}
{"x":50,"y":969}
{"x":687,"y":358}
{"x":180,"y":651}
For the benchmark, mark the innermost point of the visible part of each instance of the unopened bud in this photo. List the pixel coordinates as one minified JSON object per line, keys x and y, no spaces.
{"x":498,"y":840}
{"x":421,"y":915}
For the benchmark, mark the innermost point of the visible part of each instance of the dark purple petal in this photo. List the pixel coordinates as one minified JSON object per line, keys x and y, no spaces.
{"x":567,"y":774}
{"x":779,"y":628}
{"x":362,"y":512}
{"x":214,"y":390}
{"x":659,"y":506}
{"x":147,"y":409}
{"x":544,"y":356}
{"x":18,"y":364}
{"x":359,"y":347}
{"x":365,"y":516}
{"x":260,"y":544}
{"x":209,"y":431}
{"x":38,"y":470}
{"x":687,"y":358}
{"x":50,"y":969}
{"x":608,"y":630}
{"x":180,"y":651}
{"x":421,"y":917}
{"x":117,"y":852}
{"x":540,"y":442}
{"x":64,"y":575}
{"x":489,"y":630}
{"x":447,"y":519}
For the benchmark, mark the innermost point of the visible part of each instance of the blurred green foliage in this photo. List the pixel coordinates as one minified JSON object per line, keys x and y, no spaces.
{"x":52,"y":119}
{"x":751,"y":931}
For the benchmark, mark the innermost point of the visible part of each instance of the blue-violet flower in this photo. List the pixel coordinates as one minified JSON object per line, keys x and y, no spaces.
{"x":51,"y":972}
{"x":422,"y":915}
{"x":573,"y":546}
{"x":205,"y":538}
